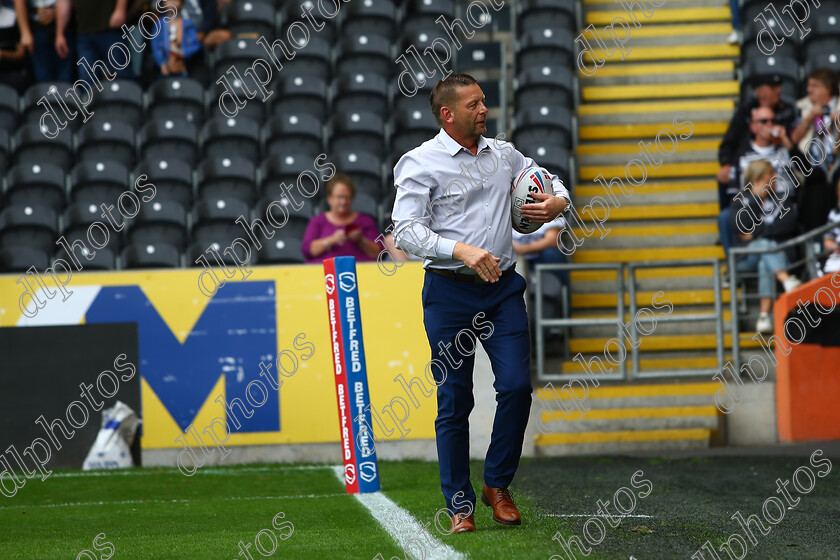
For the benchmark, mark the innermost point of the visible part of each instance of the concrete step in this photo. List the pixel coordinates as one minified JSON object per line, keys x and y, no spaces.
{"x":659,"y":361}
{"x":664,"y":90}
{"x":631,"y":419}
{"x":647,"y":254}
{"x":668,"y":328}
{"x":698,"y":34}
{"x":653,"y":285}
{"x":691,"y":150}
{"x":616,"y":443}
{"x":637,"y":112}
{"x":680,"y":51}
{"x":645,"y":274}
{"x":634,"y":131}
{"x":609,"y":300}
{"x":628,"y":236}
{"x":667,"y":170}
{"x":656,"y":212}
{"x":601,"y":5}
{"x":664,"y":15}
{"x":661,"y":72}
{"x":679,"y":191}
{"x":662,"y":343}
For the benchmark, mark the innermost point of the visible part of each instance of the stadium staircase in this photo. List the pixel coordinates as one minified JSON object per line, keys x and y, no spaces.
{"x":680,"y":61}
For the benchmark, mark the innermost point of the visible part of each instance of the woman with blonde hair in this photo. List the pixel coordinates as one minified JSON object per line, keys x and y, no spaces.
{"x":761,"y":221}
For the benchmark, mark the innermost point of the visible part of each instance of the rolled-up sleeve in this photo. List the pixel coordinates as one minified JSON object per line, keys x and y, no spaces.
{"x":411,"y":213}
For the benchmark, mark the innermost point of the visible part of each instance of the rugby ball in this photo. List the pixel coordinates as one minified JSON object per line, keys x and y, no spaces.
{"x":531,"y":180}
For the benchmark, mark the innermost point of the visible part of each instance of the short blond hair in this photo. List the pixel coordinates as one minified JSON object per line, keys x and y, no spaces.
{"x":756,"y":170}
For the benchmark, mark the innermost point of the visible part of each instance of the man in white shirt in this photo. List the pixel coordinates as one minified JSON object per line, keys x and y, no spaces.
{"x":453,"y":209}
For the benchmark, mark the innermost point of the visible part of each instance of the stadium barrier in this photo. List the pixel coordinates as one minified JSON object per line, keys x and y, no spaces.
{"x":810,"y":261}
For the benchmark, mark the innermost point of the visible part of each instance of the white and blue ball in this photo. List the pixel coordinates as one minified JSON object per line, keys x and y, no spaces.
{"x":530,"y":181}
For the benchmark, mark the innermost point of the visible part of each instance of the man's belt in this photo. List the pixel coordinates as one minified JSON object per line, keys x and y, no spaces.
{"x":465,"y":277}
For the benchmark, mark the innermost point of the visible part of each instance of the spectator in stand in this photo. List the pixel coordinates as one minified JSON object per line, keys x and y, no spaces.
{"x":36,"y":21}
{"x":831,"y":241}
{"x":176,"y":42}
{"x":772,"y":229}
{"x":770,"y":143}
{"x":540,"y":247}
{"x":818,"y":116}
{"x":98,"y":25}
{"x":340,"y":232}
{"x":737,"y":140}
{"x":13,"y":63}
{"x":208,"y":26}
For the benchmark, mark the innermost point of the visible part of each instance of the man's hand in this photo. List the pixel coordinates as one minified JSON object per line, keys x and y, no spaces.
{"x":27,"y":41}
{"x":61,"y":46}
{"x":117,"y":19}
{"x":723,"y":173}
{"x":546,"y":210}
{"x":483,"y":262}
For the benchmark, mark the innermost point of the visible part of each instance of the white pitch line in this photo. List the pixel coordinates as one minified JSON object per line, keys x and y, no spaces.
{"x":174,"y":501}
{"x":620,"y":515}
{"x":146,"y":471}
{"x":401,"y":525}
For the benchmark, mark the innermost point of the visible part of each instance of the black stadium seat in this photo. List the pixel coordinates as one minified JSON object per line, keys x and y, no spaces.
{"x":551,"y":156}
{"x":9,"y":107}
{"x":785,"y":67}
{"x":546,"y":123}
{"x":176,"y":99}
{"x":252,"y":18}
{"x":313,"y":59}
{"x":77,"y":219}
{"x":358,"y":130}
{"x":159,"y":222}
{"x":37,"y":183}
{"x":543,"y":45}
{"x":540,"y":13}
{"x":369,"y":16}
{"x":5,"y":151}
{"x":823,"y":52}
{"x":214,"y":221}
{"x":31,"y":146}
{"x":32,"y":111}
{"x":29,"y":225}
{"x":169,"y":139}
{"x":227,"y":177}
{"x":286,"y":169}
{"x":119,"y":100}
{"x":98,"y":181}
{"x":280,"y":250}
{"x":219,"y":95}
{"x":369,"y":53}
{"x":363,"y":91}
{"x":104,"y":139}
{"x":412,"y":127}
{"x":364,"y":167}
{"x":21,"y":259}
{"x":293,"y":132}
{"x":240,"y":55}
{"x":366,"y":204}
{"x":420,"y":15}
{"x":238,"y":136}
{"x":102,"y":259}
{"x":292,"y":14}
{"x":541,"y":85}
{"x":300,"y":93}
{"x":480,"y":55}
{"x":151,"y":255}
{"x":173,"y":179}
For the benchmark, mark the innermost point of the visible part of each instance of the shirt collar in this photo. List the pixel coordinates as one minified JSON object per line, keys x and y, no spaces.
{"x":453,"y":147}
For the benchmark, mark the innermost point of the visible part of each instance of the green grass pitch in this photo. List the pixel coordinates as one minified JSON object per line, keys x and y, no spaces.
{"x":151,"y":514}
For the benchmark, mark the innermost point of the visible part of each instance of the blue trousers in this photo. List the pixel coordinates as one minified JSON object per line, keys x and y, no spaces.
{"x":451,"y":311}
{"x":94,"y":47}
{"x":47,"y":66}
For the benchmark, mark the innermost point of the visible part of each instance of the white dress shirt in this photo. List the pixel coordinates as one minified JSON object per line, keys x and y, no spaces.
{"x":445,"y":194}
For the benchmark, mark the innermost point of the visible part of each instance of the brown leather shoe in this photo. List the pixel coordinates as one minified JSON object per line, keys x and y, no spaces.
{"x":463,"y":524}
{"x":504,"y":510}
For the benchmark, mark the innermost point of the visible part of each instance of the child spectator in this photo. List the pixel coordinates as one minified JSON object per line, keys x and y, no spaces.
{"x":176,"y":42}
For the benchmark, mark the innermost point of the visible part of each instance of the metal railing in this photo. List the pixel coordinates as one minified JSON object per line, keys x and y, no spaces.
{"x":628,"y":289}
{"x":810,"y":261}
